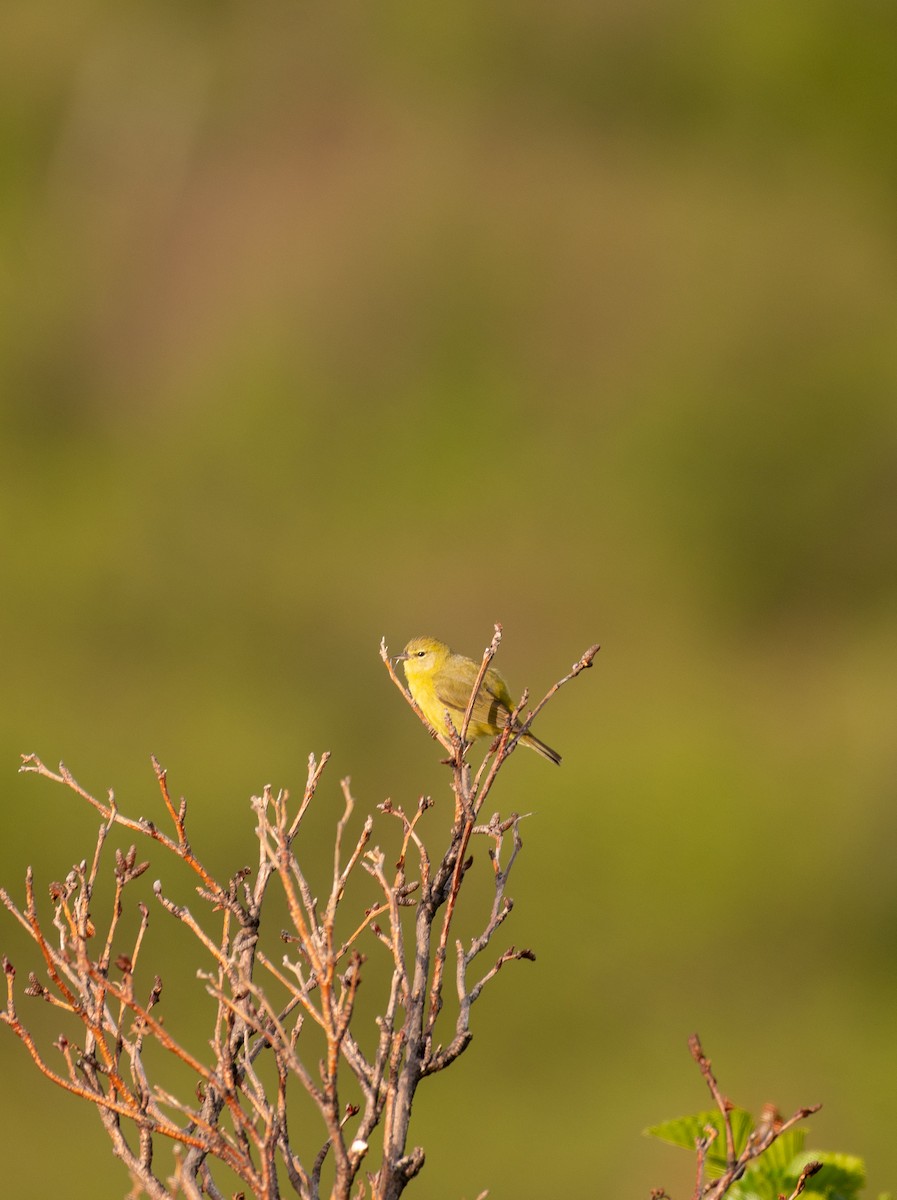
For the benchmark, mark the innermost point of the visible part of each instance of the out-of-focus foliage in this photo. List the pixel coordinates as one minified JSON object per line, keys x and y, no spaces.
{"x":329,"y":322}
{"x":777,"y":1171}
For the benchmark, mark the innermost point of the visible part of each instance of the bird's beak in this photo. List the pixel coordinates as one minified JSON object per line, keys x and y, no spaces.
{"x":397,"y":658}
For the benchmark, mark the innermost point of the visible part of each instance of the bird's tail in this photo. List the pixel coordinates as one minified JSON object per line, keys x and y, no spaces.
{"x":530,"y":739}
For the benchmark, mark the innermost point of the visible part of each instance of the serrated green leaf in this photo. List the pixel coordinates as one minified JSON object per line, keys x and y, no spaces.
{"x":782,"y":1153}
{"x":685,"y":1131}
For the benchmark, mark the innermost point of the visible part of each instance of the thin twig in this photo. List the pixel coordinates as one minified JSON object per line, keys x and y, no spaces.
{"x":488,"y":656}
{"x":757,"y":1143}
{"x":809,"y":1170}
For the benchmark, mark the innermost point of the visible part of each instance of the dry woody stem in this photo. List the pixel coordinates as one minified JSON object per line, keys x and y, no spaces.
{"x":296,"y":1078}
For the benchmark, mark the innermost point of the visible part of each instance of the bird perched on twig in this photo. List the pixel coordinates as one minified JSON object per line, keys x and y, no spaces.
{"x":441,"y":682}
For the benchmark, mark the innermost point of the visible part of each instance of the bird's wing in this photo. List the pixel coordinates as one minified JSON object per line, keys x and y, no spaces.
{"x":455,"y":685}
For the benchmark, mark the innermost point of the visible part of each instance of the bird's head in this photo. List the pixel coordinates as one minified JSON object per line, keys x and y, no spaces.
{"x":422,"y":656}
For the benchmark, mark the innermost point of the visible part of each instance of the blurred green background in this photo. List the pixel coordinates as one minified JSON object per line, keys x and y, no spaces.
{"x":331,"y":322}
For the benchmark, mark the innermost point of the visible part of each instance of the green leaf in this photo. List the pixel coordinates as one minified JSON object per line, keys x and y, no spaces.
{"x":783,"y":1151}
{"x":685,"y":1132}
{"x":776,"y":1171}
{"x":769,"y":1176}
{"x":842,"y":1176}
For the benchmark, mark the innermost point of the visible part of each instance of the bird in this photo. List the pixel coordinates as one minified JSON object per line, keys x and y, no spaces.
{"x":441,"y":682}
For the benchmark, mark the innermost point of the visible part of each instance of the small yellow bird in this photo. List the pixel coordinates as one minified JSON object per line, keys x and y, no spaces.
{"x":441,"y":682}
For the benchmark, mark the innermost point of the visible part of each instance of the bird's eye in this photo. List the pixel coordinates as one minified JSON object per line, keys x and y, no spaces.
{"x":421,"y":653}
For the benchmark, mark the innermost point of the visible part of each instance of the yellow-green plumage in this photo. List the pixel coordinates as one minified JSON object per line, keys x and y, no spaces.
{"x":441,"y":681}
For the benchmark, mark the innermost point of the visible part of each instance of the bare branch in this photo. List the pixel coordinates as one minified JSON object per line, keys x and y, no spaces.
{"x":277,"y":1016}
{"x":768,"y":1131}
{"x":488,"y":656}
